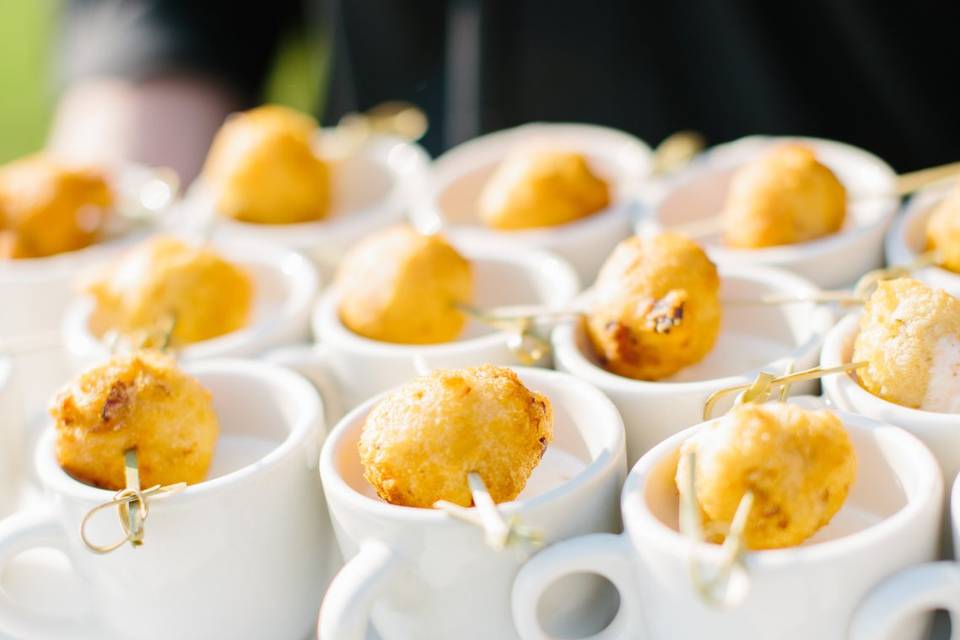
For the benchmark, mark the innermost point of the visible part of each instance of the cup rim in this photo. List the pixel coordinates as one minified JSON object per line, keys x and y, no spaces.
{"x":714,"y":160}
{"x":301,"y":392}
{"x":328,"y":329}
{"x":921,"y":205}
{"x":468,"y":156}
{"x":612,"y":447}
{"x":563,"y":339}
{"x":299,"y":273}
{"x":641,"y":524}
{"x":843,"y":385}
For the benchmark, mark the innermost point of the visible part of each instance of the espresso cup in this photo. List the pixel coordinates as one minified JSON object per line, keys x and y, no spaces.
{"x":912,"y":592}
{"x":285,"y":287}
{"x":753,"y":338}
{"x":890,"y":521}
{"x":907,"y":239}
{"x":699,"y":192}
{"x":459,"y":175}
{"x":939,"y":431}
{"x":371,"y":189}
{"x":360,"y":367}
{"x":246,"y":553}
{"x":421,"y":574}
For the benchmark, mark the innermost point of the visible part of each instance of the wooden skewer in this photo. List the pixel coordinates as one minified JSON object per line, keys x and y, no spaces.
{"x":495,"y":527}
{"x":715,"y":589}
{"x":676,"y":151}
{"x":131,"y":471}
{"x":510,"y":317}
{"x":498,"y":533}
{"x":132,"y":507}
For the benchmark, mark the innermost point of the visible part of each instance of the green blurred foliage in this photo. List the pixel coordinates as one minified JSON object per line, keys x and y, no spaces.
{"x":26,"y":74}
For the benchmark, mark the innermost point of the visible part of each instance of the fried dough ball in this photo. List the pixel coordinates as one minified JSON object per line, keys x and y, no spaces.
{"x":910,"y":337}
{"x":143,"y":401}
{"x":419,"y":443}
{"x":656,"y":307}
{"x":783,"y":197}
{"x":401,"y":286}
{"x":49,"y":207}
{"x":263,"y":169}
{"x":943,"y":231}
{"x":542,"y":189}
{"x":167,"y":280}
{"x":799,"y":464}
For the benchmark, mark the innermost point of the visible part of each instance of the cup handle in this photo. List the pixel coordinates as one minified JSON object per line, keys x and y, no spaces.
{"x":20,"y":533}
{"x":345,"y":611}
{"x":604,"y":554}
{"x":927,"y":587}
{"x":313,"y":363}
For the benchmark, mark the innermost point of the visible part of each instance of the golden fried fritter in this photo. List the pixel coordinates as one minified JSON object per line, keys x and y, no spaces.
{"x":799,"y":464}
{"x":783,"y":197}
{"x":48,"y":207}
{"x":263,"y":169}
{"x":143,"y":401}
{"x":166,"y":280}
{"x":656,"y":307}
{"x":910,"y":338}
{"x":420,"y":442}
{"x":943,"y":231}
{"x":402,"y":286}
{"x":542,"y":189}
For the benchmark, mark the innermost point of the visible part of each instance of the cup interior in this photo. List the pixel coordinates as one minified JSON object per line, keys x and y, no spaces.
{"x":701,"y":192}
{"x":586,"y":433}
{"x":358,"y":182}
{"x":751,"y":336}
{"x":262,"y":409}
{"x":255,"y":415}
{"x":890,"y":476}
{"x":463,"y":172}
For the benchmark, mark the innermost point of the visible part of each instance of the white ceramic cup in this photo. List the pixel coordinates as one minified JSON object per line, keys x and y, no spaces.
{"x":459,"y":175}
{"x":699,"y":192}
{"x":752,"y":338}
{"x":362,"y":368}
{"x":912,"y":592}
{"x":285,"y":288}
{"x":421,"y":574}
{"x":244,"y":554}
{"x":889,"y":521}
{"x":371,"y":190}
{"x":907,"y":239}
{"x":939,"y":431}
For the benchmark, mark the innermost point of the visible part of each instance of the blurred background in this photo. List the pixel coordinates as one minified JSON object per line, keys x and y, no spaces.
{"x":876,"y":75}
{"x":29,"y":83}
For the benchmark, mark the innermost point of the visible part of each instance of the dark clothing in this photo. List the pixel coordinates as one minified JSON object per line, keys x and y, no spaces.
{"x":878,"y":75}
